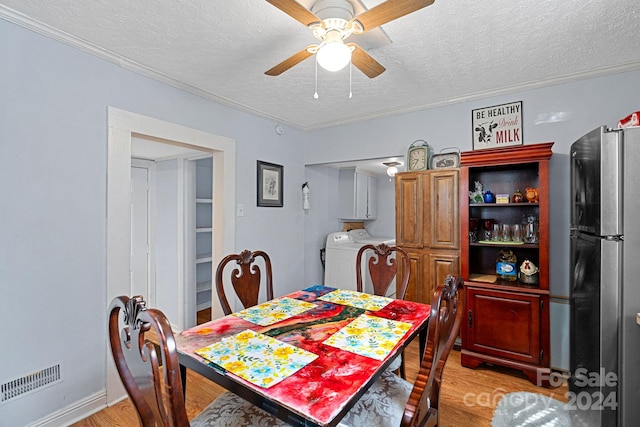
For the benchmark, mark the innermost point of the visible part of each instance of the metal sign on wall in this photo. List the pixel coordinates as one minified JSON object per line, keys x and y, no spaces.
{"x":497,"y":126}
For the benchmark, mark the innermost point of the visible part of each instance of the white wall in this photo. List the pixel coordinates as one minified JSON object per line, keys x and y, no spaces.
{"x":321,"y":218}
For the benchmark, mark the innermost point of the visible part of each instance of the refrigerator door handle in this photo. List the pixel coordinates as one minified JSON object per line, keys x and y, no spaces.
{"x":611,"y":183}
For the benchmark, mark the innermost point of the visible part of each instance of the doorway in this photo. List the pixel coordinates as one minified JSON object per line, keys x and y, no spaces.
{"x":123,"y":126}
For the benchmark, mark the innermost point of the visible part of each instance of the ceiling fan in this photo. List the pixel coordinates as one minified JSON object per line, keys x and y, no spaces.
{"x":332,"y":22}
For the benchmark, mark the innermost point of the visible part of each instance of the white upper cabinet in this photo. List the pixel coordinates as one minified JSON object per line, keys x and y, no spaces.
{"x":358,"y":194}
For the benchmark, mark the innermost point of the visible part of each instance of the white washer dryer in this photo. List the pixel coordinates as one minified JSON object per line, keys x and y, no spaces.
{"x":340,"y":259}
{"x":360,"y":235}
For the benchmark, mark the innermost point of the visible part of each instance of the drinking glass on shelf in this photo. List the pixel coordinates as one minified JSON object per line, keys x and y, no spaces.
{"x":531,"y":233}
{"x":505,"y":232}
{"x":496,"y":236}
{"x":517,"y":233}
{"x":473,"y":229}
{"x":488,"y":227}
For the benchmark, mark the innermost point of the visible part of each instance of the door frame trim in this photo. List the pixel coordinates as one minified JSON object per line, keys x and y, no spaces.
{"x":121,"y":126}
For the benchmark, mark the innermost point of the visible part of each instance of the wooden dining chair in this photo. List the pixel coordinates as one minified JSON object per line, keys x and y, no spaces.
{"x":382,"y":268}
{"x":246,"y":278}
{"x":145,"y":354}
{"x":391,"y":401}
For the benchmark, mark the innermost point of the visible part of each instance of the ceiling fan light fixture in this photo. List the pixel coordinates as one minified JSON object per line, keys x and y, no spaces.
{"x":392,"y":169}
{"x":334,"y":55}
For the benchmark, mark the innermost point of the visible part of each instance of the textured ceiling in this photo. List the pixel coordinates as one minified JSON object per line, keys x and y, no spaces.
{"x":450,"y":51}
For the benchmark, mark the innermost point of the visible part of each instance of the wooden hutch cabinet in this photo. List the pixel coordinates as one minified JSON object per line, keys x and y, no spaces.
{"x":506,"y":322}
{"x":427,"y":227}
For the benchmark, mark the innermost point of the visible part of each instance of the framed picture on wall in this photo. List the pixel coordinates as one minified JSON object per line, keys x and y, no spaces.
{"x":497,"y":126}
{"x":270,"y":185}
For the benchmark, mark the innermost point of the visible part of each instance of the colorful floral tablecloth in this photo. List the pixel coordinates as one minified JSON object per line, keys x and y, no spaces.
{"x":369,"y":336}
{"x":356,"y":299}
{"x":274,"y":311}
{"x":259,"y":359}
{"x":322,"y":389}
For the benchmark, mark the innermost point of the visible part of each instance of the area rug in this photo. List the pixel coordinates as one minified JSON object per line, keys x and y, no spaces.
{"x":522,"y":409}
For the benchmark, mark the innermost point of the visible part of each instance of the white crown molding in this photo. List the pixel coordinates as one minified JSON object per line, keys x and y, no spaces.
{"x":88,"y":47}
{"x":569,"y":78}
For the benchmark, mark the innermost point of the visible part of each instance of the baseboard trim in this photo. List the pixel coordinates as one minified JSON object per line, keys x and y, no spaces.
{"x":75,"y":412}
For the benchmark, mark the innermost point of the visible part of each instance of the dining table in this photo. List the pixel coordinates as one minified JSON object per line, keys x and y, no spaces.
{"x":306,"y":357}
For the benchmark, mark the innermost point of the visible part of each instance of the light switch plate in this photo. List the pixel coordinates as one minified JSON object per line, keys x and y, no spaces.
{"x":240,"y":209}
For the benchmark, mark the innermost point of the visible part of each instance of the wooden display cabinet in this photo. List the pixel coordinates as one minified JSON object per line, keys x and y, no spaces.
{"x":506,"y":322}
{"x":427,"y":227}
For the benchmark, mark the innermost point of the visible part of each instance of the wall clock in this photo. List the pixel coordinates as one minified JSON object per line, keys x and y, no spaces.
{"x":418,"y":156}
{"x":445,"y":160}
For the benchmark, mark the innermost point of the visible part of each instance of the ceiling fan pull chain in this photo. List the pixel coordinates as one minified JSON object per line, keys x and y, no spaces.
{"x":315,"y":95}
{"x":350,"y":68}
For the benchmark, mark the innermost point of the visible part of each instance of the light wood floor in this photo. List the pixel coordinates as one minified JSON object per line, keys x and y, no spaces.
{"x":467,"y":398}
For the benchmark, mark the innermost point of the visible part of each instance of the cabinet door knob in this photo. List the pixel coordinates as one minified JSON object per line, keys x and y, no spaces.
{"x":470,"y":318}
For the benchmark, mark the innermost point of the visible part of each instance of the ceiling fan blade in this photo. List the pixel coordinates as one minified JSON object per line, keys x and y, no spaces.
{"x":388,"y":11}
{"x":296,"y":11}
{"x":365,"y":62}
{"x":294,"y":59}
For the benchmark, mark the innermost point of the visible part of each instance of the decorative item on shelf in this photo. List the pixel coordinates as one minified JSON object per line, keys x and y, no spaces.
{"x":502,"y":198}
{"x":517,"y":197}
{"x":473,"y":229}
{"x":506,"y":265}
{"x":488,"y":197}
{"x":631,"y":120}
{"x":445,"y":160}
{"x":488,"y":227}
{"x":529,"y":273}
{"x":418,"y":155}
{"x":531,"y":228}
{"x":475,"y":196}
{"x":531,"y":194}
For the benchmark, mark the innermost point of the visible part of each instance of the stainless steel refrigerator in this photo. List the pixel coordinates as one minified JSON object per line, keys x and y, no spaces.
{"x":604,"y":386}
